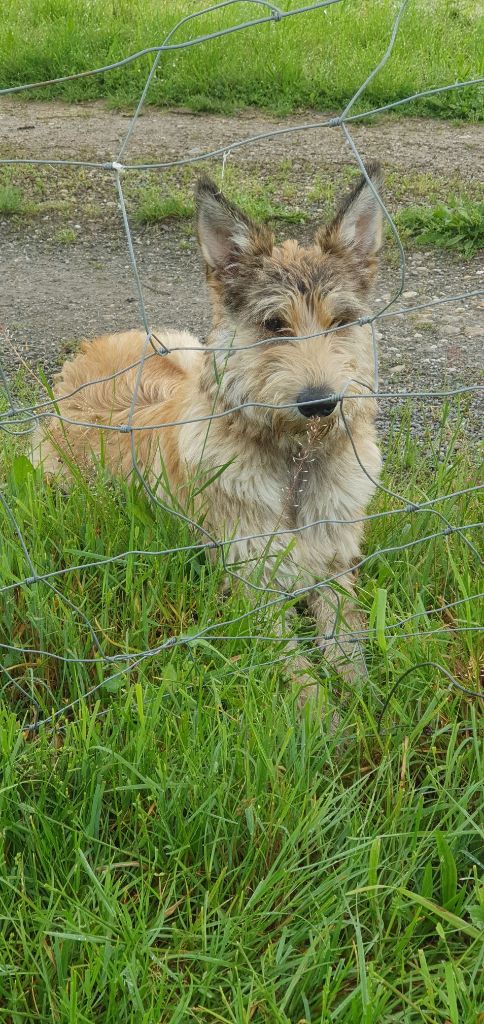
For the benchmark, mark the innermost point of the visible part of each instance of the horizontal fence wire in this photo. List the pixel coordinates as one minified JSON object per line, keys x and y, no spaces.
{"x":20,"y":419}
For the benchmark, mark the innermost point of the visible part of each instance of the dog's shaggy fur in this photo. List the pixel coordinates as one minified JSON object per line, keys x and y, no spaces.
{"x":237,"y":438}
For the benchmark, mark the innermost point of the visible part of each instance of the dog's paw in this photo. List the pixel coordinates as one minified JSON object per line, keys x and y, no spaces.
{"x":309,"y":691}
{"x":346,"y":659}
{"x":313,"y":696}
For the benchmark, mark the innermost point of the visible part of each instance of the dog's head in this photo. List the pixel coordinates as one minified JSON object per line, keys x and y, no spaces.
{"x":266,"y":296}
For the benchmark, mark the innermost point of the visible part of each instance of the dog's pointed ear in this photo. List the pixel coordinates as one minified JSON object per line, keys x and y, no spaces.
{"x":225,"y":234}
{"x":358,"y":224}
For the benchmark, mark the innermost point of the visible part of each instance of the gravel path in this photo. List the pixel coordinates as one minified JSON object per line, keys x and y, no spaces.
{"x":51,"y":295}
{"x":89,"y":131}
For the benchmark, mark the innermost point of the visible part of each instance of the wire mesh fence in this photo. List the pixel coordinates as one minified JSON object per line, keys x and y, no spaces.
{"x":20,"y":419}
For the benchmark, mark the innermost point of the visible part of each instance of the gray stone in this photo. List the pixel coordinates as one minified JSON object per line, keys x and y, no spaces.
{"x":453,"y":332}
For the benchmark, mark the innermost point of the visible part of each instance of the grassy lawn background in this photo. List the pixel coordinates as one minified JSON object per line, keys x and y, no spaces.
{"x":312,"y":60}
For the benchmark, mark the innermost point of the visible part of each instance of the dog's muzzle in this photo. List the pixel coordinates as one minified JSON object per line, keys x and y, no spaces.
{"x":316,"y":402}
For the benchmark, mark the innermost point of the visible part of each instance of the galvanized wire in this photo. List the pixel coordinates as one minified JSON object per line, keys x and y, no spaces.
{"x":18,"y":420}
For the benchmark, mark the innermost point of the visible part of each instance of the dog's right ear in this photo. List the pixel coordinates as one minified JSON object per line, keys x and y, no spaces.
{"x":225,"y":234}
{"x":357,"y":228}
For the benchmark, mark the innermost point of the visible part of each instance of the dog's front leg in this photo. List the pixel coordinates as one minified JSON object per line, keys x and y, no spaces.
{"x":282,"y":573}
{"x":300,"y":671}
{"x":270,"y":576}
{"x":340,"y":626}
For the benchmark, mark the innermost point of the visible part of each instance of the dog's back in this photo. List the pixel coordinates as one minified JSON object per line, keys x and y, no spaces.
{"x":114,"y":382}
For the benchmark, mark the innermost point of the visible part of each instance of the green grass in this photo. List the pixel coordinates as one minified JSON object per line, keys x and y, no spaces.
{"x":314,"y":60}
{"x":11,"y":200}
{"x":66,"y":236}
{"x":457,"y":225}
{"x":152,"y":207}
{"x":183,"y":848}
{"x":254,"y":196}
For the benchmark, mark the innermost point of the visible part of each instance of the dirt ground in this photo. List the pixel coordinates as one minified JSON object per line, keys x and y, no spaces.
{"x":53,"y":294}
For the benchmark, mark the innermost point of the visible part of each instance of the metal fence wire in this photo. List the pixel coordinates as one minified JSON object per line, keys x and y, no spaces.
{"x":20,"y":419}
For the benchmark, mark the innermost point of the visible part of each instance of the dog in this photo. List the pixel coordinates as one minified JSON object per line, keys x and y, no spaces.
{"x":267,"y":430}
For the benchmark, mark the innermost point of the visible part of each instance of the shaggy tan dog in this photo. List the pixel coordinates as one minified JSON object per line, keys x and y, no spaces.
{"x":250,"y":430}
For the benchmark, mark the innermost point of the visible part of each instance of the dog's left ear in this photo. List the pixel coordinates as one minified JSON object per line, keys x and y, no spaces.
{"x":358,"y":226}
{"x":225,"y":234}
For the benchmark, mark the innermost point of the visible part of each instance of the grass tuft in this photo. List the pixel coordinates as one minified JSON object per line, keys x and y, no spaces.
{"x":457,"y":225}
{"x":11,"y":200}
{"x":153,"y":207}
{"x":66,"y":236}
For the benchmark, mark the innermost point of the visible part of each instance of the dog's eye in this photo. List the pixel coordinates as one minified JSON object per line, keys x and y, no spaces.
{"x":346,"y":318}
{"x":342,"y":321}
{"x":275,"y":325}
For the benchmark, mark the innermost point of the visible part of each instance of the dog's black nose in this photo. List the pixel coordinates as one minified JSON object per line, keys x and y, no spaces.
{"x":315,"y":402}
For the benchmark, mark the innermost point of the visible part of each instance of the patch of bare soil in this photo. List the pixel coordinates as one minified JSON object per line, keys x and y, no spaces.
{"x":53,"y":293}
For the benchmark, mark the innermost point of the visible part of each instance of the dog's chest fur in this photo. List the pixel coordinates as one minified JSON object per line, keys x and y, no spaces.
{"x":271,"y":487}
